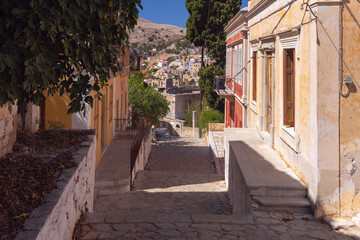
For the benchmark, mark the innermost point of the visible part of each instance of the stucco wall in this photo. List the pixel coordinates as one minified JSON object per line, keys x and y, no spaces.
{"x":55,"y":219}
{"x":8,"y":126}
{"x":179,"y":103}
{"x":311,"y":147}
{"x":144,"y":153}
{"x":56,"y":110}
{"x":350,"y":112}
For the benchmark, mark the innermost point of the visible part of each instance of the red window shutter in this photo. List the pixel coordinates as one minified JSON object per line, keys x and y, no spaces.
{"x":289,"y":87}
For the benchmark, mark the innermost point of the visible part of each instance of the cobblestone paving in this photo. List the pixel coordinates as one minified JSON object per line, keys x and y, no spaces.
{"x":179,"y":196}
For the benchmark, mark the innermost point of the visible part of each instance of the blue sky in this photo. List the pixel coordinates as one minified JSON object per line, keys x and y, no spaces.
{"x":171,"y":12}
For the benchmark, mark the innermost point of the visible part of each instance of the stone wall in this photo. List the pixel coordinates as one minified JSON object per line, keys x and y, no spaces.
{"x":32,"y":117}
{"x":216,"y":126}
{"x":144,"y":153}
{"x":55,"y":219}
{"x":8,"y":126}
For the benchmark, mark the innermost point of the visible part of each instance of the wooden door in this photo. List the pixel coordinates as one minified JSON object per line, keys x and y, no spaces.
{"x":268,"y":76}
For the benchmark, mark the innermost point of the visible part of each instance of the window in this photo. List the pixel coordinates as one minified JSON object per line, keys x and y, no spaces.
{"x":227,"y":62}
{"x":289,"y":87}
{"x":235,"y":64}
{"x":230,"y":62}
{"x":254,"y":59}
{"x":239,"y":76}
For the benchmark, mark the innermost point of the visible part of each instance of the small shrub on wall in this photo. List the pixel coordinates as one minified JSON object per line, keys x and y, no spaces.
{"x":210,"y":116}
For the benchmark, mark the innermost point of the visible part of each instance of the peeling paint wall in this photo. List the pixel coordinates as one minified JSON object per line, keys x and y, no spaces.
{"x":311,"y":147}
{"x":350,"y":112}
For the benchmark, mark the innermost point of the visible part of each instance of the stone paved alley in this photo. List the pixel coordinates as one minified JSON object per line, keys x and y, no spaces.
{"x":179,"y":196}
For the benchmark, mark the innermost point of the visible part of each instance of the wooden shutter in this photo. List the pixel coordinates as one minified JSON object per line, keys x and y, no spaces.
{"x":254,"y":59}
{"x":289,"y":87}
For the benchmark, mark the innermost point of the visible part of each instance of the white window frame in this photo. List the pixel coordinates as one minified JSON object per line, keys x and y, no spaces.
{"x":240,"y":60}
{"x":289,"y":134}
{"x":253,"y":104}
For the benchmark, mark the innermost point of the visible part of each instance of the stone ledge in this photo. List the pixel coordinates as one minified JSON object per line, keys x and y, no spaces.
{"x":55,"y":219}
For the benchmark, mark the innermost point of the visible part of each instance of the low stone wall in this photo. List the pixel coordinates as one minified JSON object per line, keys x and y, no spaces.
{"x":238,"y":192}
{"x":144,"y":153}
{"x":216,"y":127}
{"x":55,"y":219}
{"x":8,"y":126}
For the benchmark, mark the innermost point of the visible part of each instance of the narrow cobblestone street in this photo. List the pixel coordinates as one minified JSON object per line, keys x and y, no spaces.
{"x":180,"y":196}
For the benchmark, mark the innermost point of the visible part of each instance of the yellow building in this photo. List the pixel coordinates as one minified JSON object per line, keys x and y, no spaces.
{"x":303,"y":80}
{"x":105,"y":115}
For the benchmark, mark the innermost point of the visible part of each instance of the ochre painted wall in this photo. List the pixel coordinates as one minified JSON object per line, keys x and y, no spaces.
{"x":350,"y":112}
{"x":56,"y":110}
{"x":311,"y":150}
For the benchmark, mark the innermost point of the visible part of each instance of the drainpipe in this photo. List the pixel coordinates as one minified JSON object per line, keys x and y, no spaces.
{"x":341,"y":7}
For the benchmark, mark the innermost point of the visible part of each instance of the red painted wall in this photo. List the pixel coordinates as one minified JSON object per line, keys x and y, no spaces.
{"x":238,"y":121}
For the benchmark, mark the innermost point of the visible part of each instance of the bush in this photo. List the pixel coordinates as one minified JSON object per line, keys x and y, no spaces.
{"x":210,"y":116}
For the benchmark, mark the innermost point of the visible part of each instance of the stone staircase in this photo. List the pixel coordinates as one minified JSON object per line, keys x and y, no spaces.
{"x":163,"y":226}
{"x":263,"y":179}
{"x":111,"y":187}
{"x":280,"y":200}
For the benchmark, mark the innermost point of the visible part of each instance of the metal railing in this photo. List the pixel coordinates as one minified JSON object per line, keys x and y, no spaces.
{"x":135,"y":149}
{"x":224,"y":83}
{"x":123,"y":128}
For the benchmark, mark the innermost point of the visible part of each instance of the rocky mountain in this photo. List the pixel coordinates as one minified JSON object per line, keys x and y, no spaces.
{"x":147,"y":33}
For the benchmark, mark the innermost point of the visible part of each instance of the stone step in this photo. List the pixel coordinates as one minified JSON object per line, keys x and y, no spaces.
{"x":282,"y":204}
{"x":118,"y":218}
{"x":278,"y":192}
{"x":104,"y":191}
{"x":112,"y":183}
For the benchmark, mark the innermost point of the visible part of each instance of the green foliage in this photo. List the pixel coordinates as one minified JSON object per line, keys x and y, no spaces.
{"x":192,"y":82}
{"x":188,"y":113}
{"x":172,"y":51}
{"x":205,"y":28}
{"x":206,"y":22}
{"x":145,"y":102}
{"x":207,"y":86}
{"x":152,"y":38}
{"x":182,"y":83}
{"x":45,"y":45}
{"x":56,"y":125}
{"x":170,"y":59}
{"x":210,"y":116}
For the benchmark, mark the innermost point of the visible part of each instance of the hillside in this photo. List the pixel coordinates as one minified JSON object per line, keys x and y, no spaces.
{"x":149,"y":33}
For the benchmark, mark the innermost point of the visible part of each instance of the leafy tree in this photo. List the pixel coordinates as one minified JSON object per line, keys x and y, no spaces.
{"x":207,"y":86}
{"x":61,"y":46}
{"x":145,"y":102}
{"x":205,"y":28}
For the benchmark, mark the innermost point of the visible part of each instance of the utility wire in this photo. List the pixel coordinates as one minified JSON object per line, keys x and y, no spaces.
{"x":306,"y":3}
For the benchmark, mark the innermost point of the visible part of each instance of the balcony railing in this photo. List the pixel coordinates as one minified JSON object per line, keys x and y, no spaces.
{"x":224,"y":86}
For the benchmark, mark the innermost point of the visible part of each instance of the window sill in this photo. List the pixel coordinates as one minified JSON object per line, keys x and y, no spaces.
{"x":253,"y":106}
{"x":288,"y":135}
